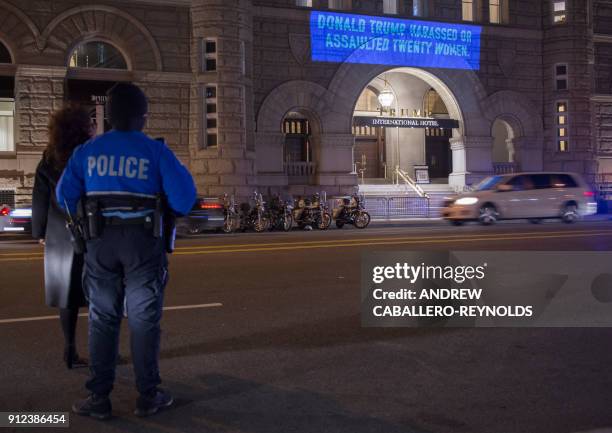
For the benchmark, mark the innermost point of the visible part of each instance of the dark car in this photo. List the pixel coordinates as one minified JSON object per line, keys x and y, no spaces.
{"x":206,"y":214}
{"x":15,"y":220}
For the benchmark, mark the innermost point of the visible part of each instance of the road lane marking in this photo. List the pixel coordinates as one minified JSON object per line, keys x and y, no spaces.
{"x":358,"y":240}
{"x":343,"y":245}
{"x":171,"y":308}
{"x":336,"y":243}
{"x":33,"y":253}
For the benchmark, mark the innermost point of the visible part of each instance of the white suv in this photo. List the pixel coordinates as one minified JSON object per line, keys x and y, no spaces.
{"x":534,"y":196}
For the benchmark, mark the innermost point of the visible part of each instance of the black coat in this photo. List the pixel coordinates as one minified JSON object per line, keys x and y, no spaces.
{"x":63,"y":268}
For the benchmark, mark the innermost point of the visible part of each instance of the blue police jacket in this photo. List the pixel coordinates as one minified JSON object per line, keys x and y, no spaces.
{"x":126,"y":164}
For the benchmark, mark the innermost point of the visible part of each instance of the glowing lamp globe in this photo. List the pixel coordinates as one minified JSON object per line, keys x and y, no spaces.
{"x":386,"y":98}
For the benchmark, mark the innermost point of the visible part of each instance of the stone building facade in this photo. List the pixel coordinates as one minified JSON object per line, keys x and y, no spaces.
{"x":229,"y":79}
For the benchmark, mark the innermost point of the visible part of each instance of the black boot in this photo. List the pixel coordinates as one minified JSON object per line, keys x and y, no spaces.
{"x":72,"y":359}
{"x":95,"y":406}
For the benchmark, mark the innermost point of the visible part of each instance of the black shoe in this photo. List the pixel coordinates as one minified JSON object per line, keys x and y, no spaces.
{"x":95,"y":406}
{"x":72,"y":358}
{"x":152,"y":402}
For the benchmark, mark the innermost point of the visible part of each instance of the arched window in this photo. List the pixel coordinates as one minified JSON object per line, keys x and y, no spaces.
{"x":5,"y":55}
{"x":367,"y":101}
{"x":97,"y":55}
{"x":433,"y":104}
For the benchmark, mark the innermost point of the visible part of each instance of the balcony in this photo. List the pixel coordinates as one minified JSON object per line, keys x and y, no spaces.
{"x":505,"y":167}
{"x":300,"y":172}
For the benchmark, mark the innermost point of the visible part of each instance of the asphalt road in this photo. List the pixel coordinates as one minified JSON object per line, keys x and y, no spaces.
{"x":269,"y":341}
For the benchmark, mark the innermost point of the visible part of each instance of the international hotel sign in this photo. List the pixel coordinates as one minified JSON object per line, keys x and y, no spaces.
{"x":350,"y":38}
{"x":405,"y":122}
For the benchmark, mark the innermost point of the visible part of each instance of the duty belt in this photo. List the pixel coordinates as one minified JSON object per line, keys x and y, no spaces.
{"x":147,"y":221}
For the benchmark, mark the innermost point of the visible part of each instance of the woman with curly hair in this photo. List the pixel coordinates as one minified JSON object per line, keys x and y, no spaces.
{"x":68,"y":128}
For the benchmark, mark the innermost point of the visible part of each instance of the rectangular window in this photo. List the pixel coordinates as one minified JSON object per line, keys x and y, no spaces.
{"x":209,"y":55}
{"x":303,"y":3}
{"x":561,"y":75}
{"x":211,"y":46}
{"x":339,"y":4}
{"x":210,"y":116}
{"x":7,"y":121}
{"x":211,"y":92}
{"x":417,"y":8}
{"x":467,"y":10}
{"x":494,"y":11}
{"x":561,"y":107}
{"x":561,"y":126}
{"x":390,"y":7}
{"x":559,"y":11}
{"x":211,"y":140}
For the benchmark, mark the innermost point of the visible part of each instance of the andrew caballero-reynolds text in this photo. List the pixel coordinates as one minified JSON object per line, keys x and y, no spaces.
{"x":416,"y":302}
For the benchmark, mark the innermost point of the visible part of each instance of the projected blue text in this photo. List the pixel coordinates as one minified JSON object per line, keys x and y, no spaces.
{"x":340,"y":37}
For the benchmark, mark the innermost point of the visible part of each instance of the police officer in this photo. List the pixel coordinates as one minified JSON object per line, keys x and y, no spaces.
{"x":120,"y":175}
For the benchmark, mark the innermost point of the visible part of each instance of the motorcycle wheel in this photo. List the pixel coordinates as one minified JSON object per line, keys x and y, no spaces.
{"x":287,"y":222}
{"x":339,"y":224}
{"x":262,"y":225}
{"x":324,"y":221}
{"x":228,"y":225}
{"x":362,"y":220}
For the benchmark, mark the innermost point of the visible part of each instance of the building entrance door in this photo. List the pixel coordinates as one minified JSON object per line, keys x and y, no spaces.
{"x":91,"y":95}
{"x":438,"y":155}
{"x":369,"y":152}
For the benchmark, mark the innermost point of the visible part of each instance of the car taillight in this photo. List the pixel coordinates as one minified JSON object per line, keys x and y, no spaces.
{"x":5,"y":211}
{"x":210,"y":206}
{"x":588,"y":194}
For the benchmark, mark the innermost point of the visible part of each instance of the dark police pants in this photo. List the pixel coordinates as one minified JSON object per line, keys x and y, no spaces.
{"x":125,"y":262}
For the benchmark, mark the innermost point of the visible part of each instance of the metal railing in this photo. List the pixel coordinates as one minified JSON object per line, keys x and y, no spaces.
{"x":603,"y":183}
{"x":505,"y":167}
{"x":396,"y":207}
{"x":300,"y":168}
{"x":385,"y":207}
{"x":409,"y":182}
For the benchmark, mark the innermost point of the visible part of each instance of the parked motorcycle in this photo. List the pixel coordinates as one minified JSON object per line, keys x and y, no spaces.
{"x":350,"y":210}
{"x":312,"y":211}
{"x":231,"y":214}
{"x":254,"y":217}
{"x":280,"y":213}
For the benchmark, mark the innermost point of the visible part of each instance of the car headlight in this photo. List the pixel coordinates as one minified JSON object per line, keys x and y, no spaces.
{"x":466,"y":200}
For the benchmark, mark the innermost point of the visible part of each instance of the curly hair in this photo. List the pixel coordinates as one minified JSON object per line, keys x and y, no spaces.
{"x":69,"y":127}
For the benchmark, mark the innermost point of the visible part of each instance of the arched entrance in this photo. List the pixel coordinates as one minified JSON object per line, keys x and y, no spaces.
{"x":94,"y":67}
{"x":427,"y":116}
{"x":301,"y":130}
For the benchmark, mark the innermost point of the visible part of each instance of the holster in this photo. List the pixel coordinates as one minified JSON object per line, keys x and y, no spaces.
{"x":77,"y":238}
{"x":168,"y":223}
{"x":93,"y":218}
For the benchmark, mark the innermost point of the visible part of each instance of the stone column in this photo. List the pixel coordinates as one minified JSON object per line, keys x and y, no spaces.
{"x":472,"y":159}
{"x":230,"y":165}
